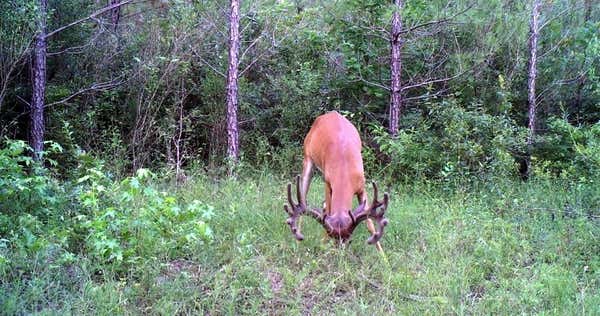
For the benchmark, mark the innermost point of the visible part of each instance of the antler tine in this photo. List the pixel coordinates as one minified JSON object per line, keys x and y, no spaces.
{"x":375,"y":191}
{"x":361,"y":213}
{"x":298,"y":195}
{"x":379,"y":233}
{"x":386,"y":199}
{"x":295,"y":210}
{"x":289,"y":197}
{"x":317,"y":214}
{"x":292,"y":222}
{"x":376,"y":203}
{"x":378,"y":216}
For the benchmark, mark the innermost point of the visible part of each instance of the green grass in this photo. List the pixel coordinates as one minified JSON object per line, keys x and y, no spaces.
{"x":504,"y":248}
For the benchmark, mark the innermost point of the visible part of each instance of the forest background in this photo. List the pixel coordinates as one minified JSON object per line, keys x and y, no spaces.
{"x":131,"y":86}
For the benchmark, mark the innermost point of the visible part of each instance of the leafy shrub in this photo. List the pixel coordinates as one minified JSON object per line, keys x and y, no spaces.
{"x":30,"y":200}
{"x":450,"y":141}
{"x":115,"y":223}
{"x":569,"y":151}
{"x":25,"y":187}
{"x":131,"y":221}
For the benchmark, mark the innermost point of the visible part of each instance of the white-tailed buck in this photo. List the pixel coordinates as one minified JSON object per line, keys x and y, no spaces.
{"x":333,"y":145}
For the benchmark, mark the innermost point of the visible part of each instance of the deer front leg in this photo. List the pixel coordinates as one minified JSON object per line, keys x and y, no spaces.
{"x":307,"y":172}
{"x":362,"y":198}
{"x":326,"y":210}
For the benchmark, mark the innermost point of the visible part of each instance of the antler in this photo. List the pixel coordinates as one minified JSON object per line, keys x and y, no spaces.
{"x":360,"y":214}
{"x":295,"y":210}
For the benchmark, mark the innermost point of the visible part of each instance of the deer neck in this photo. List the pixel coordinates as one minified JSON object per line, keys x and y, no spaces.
{"x":342,"y":193}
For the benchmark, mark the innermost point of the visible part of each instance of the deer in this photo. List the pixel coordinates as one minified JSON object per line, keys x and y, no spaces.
{"x":333,"y":145}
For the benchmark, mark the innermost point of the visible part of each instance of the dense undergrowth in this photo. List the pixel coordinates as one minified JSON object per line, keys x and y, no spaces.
{"x":467,"y":234}
{"x":92,"y":244}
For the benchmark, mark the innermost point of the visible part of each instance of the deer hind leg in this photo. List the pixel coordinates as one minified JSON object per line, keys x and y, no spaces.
{"x":362,"y":198}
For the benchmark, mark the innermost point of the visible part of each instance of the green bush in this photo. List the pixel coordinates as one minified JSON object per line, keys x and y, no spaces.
{"x":113,"y":223}
{"x":31,"y":199}
{"x":130,"y":221}
{"x":569,"y":151}
{"x":25,"y":187}
{"x":450,"y":142}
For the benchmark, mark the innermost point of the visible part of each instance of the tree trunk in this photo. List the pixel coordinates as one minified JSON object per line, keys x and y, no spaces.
{"x":588,"y":10}
{"x":115,"y":14}
{"x":578,"y":102}
{"x":36,"y":129}
{"x":232,"y":86}
{"x":395,"y":69}
{"x":531,"y":98}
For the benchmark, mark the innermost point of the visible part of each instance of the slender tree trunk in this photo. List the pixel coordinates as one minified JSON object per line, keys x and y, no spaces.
{"x":115,"y":14}
{"x":588,"y":10}
{"x":531,"y":98}
{"x":578,"y":103}
{"x":232,"y":84}
{"x":36,"y":129}
{"x":395,"y":67}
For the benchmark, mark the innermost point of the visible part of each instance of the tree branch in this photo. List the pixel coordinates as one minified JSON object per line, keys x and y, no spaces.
{"x":89,"y":17}
{"x":77,"y":49}
{"x":209,"y":20}
{"x":24,"y":101}
{"x":252,"y":62}
{"x":254,"y":42}
{"x":420,"y":84}
{"x":266,"y":52}
{"x":206,"y":63}
{"x":555,"y":47}
{"x":426,"y":95}
{"x":412,"y":28}
{"x":567,"y":10}
{"x":95,"y":87}
{"x":374,"y":84}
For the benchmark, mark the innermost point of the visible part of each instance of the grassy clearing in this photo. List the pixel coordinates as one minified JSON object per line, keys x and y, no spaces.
{"x":508,"y":248}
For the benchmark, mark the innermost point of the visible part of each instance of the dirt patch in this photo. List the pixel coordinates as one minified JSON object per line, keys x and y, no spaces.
{"x":476,"y":293}
{"x":276,"y":280}
{"x":276,"y":305}
{"x":179,"y":267}
{"x":309,"y":297}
